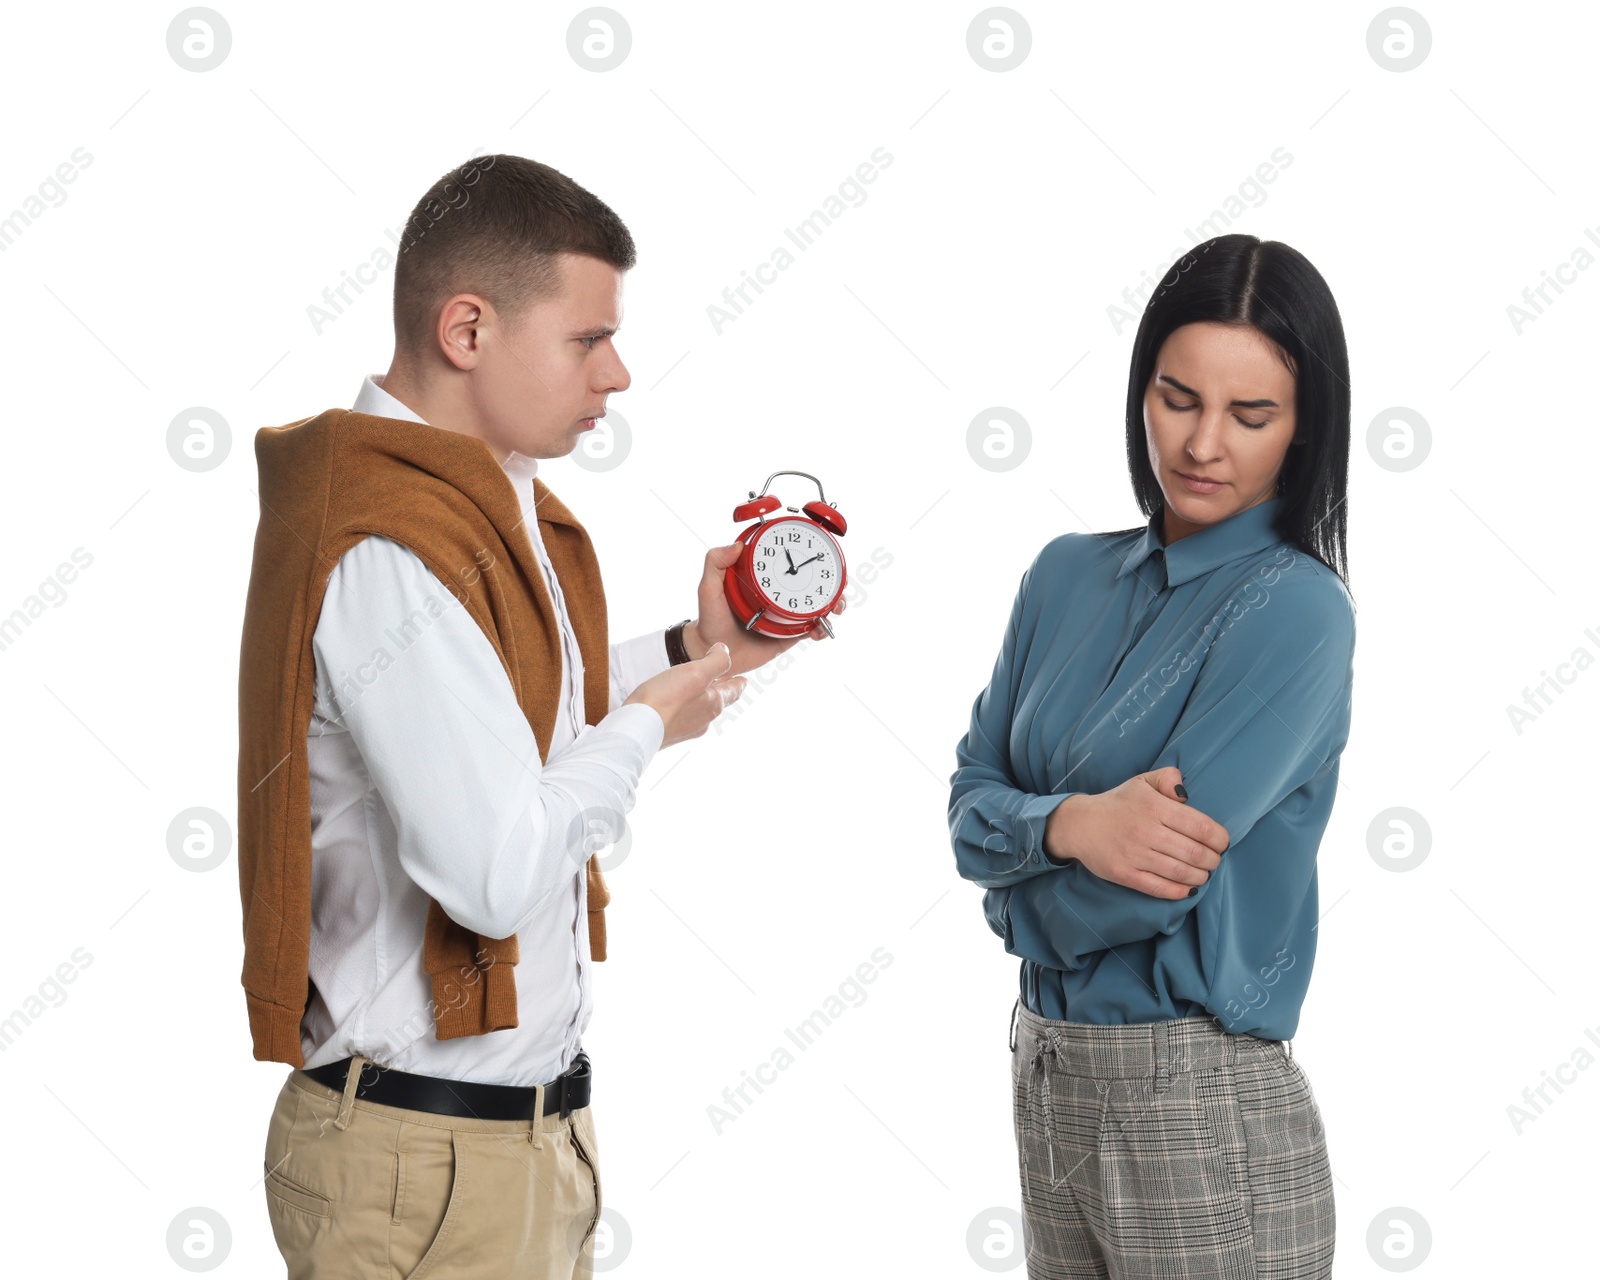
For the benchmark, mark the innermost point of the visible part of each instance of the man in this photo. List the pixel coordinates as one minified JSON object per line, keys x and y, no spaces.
{"x":434,"y":732}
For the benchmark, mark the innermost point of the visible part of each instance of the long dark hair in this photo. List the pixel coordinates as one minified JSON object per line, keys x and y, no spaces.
{"x":1266,"y":285}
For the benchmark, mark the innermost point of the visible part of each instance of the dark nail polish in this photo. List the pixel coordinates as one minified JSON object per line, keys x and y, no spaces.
{"x":1183,"y":791}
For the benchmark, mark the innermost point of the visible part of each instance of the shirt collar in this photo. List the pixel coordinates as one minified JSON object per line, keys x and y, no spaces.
{"x":378,"y":403}
{"x":1205,"y":549}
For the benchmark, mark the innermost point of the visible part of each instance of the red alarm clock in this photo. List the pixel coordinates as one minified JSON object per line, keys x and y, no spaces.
{"x":791,"y":572}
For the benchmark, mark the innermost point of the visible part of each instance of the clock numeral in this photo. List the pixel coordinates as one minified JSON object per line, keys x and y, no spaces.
{"x":794,"y":535}
{"x":766,"y":582}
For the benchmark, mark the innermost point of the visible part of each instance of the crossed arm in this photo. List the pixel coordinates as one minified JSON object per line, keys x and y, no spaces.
{"x":1268,"y":714}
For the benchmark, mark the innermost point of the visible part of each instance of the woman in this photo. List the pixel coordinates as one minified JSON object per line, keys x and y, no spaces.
{"x":1144,"y":784}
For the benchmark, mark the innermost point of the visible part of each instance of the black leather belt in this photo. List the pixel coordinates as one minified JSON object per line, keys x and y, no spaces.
{"x":568,"y":1093}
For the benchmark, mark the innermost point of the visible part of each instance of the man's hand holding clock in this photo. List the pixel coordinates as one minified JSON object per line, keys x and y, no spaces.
{"x":748,"y":649}
{"x":759,"y":595}
{"x":690,"y":695}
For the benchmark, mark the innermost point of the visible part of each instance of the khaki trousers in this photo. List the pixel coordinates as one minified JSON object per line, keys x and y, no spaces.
{"x":358,"y":1189}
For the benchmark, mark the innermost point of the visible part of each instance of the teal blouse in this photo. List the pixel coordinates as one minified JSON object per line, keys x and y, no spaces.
{"x":1228,"y":654}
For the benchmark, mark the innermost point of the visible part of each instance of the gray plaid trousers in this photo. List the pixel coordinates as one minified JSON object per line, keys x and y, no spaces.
{"x":1167,"y":1149}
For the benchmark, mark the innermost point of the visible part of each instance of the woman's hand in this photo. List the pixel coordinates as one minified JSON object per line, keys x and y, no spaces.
{"x":1141,"y":834}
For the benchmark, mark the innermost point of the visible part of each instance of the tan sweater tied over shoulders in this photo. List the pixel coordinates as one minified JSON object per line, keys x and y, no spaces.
{"x":326,"y":483}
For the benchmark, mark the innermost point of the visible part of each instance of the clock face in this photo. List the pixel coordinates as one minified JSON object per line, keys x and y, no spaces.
{"x":796,"y":566}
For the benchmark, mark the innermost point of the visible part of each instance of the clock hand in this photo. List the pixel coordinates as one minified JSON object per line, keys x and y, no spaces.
{"x":790,"y":559}
{"x":804,"y":563}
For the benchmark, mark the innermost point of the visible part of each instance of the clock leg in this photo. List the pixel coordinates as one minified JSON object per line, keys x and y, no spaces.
{"x":826,"y":627}
{"x":755,"y":618}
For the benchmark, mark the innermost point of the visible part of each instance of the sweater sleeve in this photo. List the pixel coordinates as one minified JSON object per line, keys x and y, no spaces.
{"x":483,"y":827}
{"x":1268,"y":715}
{"x":997,"y":827}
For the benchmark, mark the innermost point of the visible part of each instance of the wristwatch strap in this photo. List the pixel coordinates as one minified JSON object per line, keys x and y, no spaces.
{"x":677,"y":655}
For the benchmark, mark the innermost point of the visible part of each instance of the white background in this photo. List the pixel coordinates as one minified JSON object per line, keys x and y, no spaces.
{"x":978,"y":271}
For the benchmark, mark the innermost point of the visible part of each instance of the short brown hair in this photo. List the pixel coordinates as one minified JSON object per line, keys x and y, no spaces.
{"x":494,"y":226}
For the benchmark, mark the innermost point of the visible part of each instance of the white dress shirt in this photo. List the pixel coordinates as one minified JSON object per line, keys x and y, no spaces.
{"x":426,"y":782}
